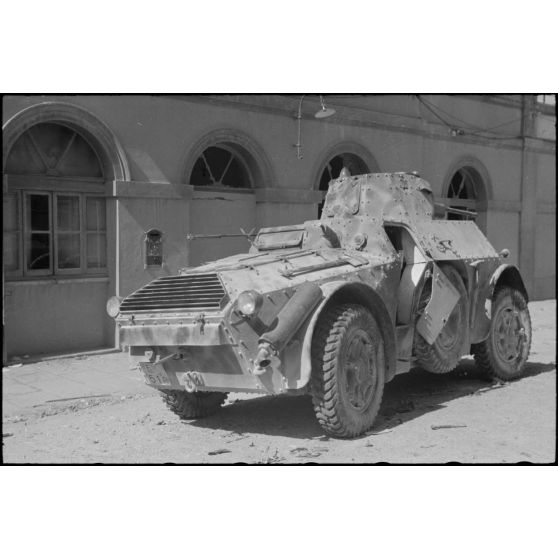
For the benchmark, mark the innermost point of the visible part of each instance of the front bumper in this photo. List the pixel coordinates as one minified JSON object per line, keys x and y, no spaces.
{"x":192,"y":353}
{"x":174,"y":375}
{"x":201,"y":330}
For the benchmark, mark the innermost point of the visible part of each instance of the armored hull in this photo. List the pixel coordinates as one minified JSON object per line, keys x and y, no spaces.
{"x":372,"y":289}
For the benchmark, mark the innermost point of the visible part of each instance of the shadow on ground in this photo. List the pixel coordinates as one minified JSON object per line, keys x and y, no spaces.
{"x":406,"y":397}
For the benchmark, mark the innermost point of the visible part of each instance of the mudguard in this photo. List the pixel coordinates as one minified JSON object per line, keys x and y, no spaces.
{"x":507,"y":274}
{"x":368,"y":298}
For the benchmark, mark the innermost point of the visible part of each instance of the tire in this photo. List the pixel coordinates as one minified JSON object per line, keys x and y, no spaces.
{"x":193,"y":405}
{"x":445,"y":353}
{"x":348,"y":370}
{"x":505,"y":351}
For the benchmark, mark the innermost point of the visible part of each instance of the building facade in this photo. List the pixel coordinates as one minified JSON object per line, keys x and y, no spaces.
{"x":103,"y":193}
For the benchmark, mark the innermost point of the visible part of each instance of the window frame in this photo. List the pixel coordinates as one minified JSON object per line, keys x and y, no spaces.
{"x":22,"y":186}
{"x":56,"y":269}
{"x":86,"y":232}
{"x":18,"y":231}
{"x":27,"y":232}
{"x":468,"y":181}
{"x":219,"y":186}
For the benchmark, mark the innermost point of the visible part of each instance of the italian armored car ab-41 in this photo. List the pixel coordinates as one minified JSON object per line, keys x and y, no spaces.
{"x":334,"y":307}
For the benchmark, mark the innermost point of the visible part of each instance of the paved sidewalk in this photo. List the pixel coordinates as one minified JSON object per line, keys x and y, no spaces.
{"x":33,"y":384}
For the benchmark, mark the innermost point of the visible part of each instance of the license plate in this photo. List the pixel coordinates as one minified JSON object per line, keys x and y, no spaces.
{"x":154,"y":373}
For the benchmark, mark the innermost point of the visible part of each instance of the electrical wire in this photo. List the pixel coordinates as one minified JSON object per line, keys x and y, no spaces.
{"x":469,"y":125}
{"x":471,"y":131}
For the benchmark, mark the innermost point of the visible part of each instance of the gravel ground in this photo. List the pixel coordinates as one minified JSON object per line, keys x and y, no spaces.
{"x":424,"y":418}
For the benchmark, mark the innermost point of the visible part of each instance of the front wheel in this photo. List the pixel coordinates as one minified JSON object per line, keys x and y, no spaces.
{"x":193,"y":405}
{"x":348,"y":368}
{"x":504,"y":353}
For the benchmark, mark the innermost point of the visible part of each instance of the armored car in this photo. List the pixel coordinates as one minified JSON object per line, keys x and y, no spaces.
{"x":334,"y":307}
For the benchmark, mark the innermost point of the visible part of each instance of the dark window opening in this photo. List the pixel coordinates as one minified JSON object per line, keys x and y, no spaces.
{"x":219,"y":166}
{"x":53,"y":150}
{"x":463,"y":186}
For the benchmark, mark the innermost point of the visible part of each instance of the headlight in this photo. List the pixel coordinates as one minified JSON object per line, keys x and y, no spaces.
{"x":249,"y":303}
{"x":113,"y":306}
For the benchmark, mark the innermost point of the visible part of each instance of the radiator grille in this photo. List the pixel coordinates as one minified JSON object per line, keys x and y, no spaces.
{"x":177,"y":293}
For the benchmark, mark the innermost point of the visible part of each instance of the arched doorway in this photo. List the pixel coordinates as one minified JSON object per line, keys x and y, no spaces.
{"x":57,"y":269}
{"x":225,"y":167}
{"x":55,"y":212}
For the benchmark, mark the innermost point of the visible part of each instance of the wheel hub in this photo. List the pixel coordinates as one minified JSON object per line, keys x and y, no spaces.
{"x":510,"y":334}
{"x":360,"y":370}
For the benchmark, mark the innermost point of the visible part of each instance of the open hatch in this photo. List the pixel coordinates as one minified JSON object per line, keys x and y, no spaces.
{"x":279,"y":237}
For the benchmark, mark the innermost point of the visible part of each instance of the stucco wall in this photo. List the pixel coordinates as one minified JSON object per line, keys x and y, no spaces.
{"x":220,"y":213}
{"x":503,"y":232}
{"x":136,"y":216}
{"x":545,"y":257}
{"x":55,"y":317}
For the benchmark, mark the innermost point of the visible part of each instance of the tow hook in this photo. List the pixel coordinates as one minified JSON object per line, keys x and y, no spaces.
{"x":263,"y":359}
{"x":201,"y":320}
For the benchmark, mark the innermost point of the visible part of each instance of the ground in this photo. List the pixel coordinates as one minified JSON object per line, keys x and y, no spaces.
{"x":108,"y":416}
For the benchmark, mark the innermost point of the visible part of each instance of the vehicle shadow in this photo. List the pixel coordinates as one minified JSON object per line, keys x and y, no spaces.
{"x":406,"y":397}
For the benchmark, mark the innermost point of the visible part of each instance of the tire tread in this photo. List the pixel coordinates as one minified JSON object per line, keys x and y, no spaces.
{"x":482,"y":352}
{"x":324,"y":386}
{"x":193,"y":405}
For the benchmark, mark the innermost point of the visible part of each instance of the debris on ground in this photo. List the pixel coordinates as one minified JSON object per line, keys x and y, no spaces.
{"x":270,"y":460}
{"x":440,"y":426}
{"x":6,"y":434}
{"x":81,"y":398}
{"x":305,"y":452}
{"x":405,"y":407}
{"x":497,"y":385}
{"x":218,"y":451}
{"x":237,"y":439}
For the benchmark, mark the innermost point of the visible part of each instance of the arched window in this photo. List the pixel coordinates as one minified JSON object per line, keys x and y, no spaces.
{"x":221,"y":165}
{"x":463,"y":192}
{"x":54,"y":211}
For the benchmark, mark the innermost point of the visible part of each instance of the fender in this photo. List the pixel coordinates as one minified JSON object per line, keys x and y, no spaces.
{"x":507,"y":274}
{"x":359,"y":293}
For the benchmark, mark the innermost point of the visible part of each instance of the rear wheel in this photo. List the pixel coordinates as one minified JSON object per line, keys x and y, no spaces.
{"x":504,"y":353}
{"x":348,"y":367}
{"x":193,"y":405}
{"x":446,"y":351}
